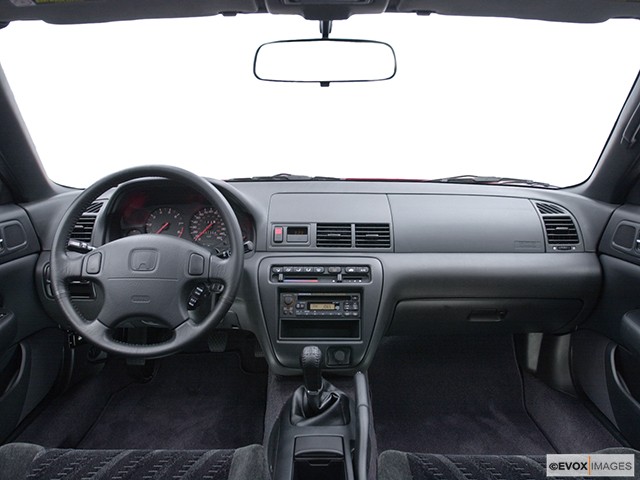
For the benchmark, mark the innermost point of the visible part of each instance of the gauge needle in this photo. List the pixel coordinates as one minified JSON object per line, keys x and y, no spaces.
{"x":203,"y":231}
{"x":164,"y":225}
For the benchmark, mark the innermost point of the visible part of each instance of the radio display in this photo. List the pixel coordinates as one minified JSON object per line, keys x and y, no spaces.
{"x":322,"y":306}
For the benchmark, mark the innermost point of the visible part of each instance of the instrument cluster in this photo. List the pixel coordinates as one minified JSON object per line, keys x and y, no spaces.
{"x":178,"y":212}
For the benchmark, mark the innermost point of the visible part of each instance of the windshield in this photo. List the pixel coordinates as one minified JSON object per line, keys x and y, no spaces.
{"x":484,"y":96}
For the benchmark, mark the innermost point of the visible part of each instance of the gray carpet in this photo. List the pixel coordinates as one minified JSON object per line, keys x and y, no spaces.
{"x":195,"y":401}
{"x":452,"y":395}
{"x":67,"y":418}
{"x":565,"y":421}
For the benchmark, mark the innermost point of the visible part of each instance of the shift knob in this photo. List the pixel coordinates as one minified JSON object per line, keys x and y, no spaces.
{"x":310,"y":362}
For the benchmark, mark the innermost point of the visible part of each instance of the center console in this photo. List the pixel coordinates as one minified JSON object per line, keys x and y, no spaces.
{"x":321,"y":432}
{"x":320,"y":313}
{"x":331,"y":302}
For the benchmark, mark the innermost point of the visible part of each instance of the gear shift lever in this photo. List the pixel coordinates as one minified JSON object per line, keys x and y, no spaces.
{"x":317,"y":402}
{"x":311,"y":364}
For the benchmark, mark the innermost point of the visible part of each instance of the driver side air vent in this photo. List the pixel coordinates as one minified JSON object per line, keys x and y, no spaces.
{"x":83,"y":229}
{"x":373,"y":235}
{"x":333,"y":235}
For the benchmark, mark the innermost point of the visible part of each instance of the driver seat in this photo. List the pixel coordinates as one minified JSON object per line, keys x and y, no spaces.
{"x":27,"y":461}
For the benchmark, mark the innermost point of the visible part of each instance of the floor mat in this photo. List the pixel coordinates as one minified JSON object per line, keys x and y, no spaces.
{"x":195,"y":401}
{"x":451,"y":395}
{"x":565,"y":421}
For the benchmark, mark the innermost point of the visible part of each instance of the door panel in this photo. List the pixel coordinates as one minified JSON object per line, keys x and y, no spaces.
{"x":606,"y":350}
{"x":31,"y":344}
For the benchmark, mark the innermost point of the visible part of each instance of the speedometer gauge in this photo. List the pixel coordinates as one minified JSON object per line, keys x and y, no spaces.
{"x":207,"y":228}
{"x":165,"y":220}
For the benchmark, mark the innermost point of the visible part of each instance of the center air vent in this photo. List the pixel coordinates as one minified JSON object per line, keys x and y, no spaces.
{"x":83,"y":229}
{"x":333,"y":235}
{"x":373,"y":235}
{"x":560,"y":230}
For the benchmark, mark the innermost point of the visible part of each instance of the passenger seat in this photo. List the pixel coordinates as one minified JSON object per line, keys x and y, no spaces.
{"x":395,"y":465}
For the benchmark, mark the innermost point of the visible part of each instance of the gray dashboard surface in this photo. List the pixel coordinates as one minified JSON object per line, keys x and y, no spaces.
{"x":465,"y":224}
{"x":591,"y":215}
{"x":328,"y":207}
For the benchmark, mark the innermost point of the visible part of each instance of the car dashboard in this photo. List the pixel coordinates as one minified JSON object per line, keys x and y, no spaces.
{"x":341,"y":264}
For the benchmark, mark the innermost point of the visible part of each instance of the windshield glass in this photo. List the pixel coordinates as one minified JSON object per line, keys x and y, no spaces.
{"x":484,"y":96}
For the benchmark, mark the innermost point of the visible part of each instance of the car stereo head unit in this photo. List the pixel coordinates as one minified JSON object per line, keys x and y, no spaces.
{"x":322,"y":305}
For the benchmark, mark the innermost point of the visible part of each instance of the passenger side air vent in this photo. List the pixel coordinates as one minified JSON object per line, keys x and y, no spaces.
{"x":333,"y":235}
{"x":549,"y":209}
{"x":560,"y":230}
{"x":83,"y":229}
{"x":373,"y":235}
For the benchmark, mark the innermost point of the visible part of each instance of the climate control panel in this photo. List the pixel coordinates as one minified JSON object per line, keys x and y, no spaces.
{"x":321,"y":273}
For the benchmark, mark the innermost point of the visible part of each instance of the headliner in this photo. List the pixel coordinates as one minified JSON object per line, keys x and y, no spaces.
{"x":93,"y":11}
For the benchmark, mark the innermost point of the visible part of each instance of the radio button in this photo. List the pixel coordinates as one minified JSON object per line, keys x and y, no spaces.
{"x":319,"y":269}
{"x":335,"y":269}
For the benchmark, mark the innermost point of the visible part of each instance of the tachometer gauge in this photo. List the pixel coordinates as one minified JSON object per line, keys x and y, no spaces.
{"x":207,"y":228}
{"x":165,"y":220}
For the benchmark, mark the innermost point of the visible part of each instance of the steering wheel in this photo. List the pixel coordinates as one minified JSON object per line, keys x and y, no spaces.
{"x":146,"y":275}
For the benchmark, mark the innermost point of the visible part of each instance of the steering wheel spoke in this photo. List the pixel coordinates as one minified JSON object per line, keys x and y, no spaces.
{"x":220,"y":269}
{"x":73,"y":266}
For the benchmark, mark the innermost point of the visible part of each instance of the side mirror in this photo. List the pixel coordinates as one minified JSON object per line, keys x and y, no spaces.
{"x":324,"y":61}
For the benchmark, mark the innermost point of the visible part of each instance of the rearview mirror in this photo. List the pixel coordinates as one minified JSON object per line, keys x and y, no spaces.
{"x":324,"y":61}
